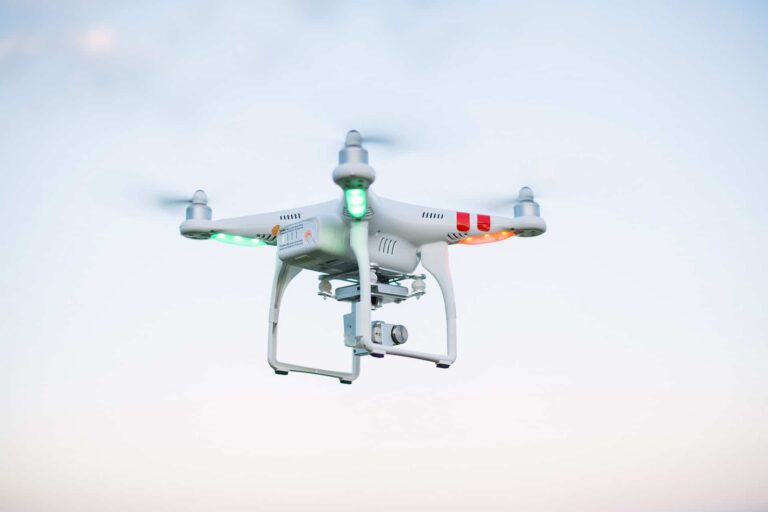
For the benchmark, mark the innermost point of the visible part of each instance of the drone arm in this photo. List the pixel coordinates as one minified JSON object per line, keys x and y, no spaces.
{"x":523,"y":226}
{"x":251,"y":226}
{"x":284,"y":274}
{"x":263,"y":226}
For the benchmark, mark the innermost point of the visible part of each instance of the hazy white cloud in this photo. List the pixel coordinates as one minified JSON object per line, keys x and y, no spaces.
{"x":20,"y":46}
{"x":96,"y":41}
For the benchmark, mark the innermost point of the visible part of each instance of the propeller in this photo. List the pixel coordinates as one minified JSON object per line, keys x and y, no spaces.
{"x":329,"y":140}
{"x":525,"y":194}
{"x":379,"y":138}
{"x":355,"y":138}
{"x":172,"y":201}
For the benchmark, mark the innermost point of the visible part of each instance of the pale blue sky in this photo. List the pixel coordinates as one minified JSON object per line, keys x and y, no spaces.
{"x":618,"y":363}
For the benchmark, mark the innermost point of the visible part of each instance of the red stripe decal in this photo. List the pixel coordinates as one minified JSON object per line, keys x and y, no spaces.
{"x":484,"y":222}
{"x":462,"y":221}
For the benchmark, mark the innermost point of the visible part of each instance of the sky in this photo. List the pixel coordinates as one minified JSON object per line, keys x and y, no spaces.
{"x":617,"y":363}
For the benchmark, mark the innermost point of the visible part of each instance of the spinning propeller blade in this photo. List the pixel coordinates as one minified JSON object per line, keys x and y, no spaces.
{"x":172,"y":202}
{"x":377,"y":139}
{"x":355,"y":138}
{"x":525,"y":194}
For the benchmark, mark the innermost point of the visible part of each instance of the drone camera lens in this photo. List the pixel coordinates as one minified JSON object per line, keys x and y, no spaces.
{"x":399,"y":334}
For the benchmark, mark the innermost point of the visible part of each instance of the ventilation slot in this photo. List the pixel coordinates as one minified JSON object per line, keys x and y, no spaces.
{"x":431,"y":215}
{"x":387,"y":245}
{"x":266,"y":238}
{"x":368,"y":213}
{"x":455,"y":237}
{"x":290,"y":216}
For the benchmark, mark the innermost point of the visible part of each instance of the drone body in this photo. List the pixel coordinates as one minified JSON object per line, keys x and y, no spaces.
{"x":372,"y":243}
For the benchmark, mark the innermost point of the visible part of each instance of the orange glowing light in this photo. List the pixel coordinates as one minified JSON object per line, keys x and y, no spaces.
{"x":487,"y":238}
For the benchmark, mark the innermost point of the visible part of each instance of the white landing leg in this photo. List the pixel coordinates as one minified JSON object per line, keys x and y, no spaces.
{"x":284,"y":274}
{"x":434,"y":258}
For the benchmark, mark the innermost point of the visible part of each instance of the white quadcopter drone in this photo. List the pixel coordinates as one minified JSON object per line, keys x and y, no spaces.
{"x":370,"y":244}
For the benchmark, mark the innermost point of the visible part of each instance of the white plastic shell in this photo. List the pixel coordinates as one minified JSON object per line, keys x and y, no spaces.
{"x":318,"y":243}
{"x":393,"y":252}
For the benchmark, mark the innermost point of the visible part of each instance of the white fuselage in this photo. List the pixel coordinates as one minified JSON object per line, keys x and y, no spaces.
{"x":316,"y":237}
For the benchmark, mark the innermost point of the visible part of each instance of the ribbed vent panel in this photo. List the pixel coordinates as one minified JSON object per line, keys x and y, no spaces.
{"x":387,"y":245}
{"x":455,"y":237}
{"x":368,"y":213}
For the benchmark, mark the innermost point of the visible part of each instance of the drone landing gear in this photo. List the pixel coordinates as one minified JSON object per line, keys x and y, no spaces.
{"x":284,"y":274}
{"x":434,"y":258}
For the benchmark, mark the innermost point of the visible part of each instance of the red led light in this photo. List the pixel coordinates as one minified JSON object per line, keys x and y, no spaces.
{"x":462,"y":221}
{"x":487,"y":238}
{"x":484,"y":222}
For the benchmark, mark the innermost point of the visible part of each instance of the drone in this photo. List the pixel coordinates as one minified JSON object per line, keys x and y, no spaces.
{"x":370,"y":247}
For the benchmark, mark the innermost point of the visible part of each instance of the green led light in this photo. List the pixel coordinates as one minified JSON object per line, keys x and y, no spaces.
{"x":243,"y":241}
{"x":357,"y":203}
